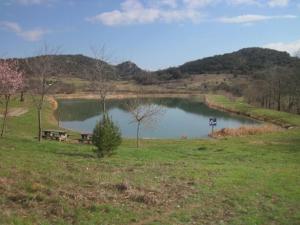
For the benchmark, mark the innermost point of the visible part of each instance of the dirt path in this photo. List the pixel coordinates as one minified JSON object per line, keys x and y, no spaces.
{"x":15,"y":112}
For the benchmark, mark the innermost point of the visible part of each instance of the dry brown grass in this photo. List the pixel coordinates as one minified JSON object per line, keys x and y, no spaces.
{"x":245,"y":130}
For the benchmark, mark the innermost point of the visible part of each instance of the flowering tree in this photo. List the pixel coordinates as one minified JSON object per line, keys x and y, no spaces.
{"x":11,"y":80}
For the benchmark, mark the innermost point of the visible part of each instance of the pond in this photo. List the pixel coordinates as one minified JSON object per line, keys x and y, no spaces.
{"x":181,"y":118}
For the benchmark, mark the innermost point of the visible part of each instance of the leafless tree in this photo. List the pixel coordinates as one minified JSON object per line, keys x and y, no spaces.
{"x":143,"y":112}
{"x":277,"y":88}
{"x":101,"y":82}
{"x":41,"y":78}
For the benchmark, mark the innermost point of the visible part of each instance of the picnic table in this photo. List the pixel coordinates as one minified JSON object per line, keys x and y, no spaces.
{"x":86,"y":138}
{"x":58,"y":135}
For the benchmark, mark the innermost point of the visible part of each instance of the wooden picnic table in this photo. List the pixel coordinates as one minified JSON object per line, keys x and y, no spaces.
{"x":86,"y":137}
{"x":58,"y":135}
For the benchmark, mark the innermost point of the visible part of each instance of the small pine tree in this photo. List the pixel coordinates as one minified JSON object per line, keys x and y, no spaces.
{"x":106,"y":136}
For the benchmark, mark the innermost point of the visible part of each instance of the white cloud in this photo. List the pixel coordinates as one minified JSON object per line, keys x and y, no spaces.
{"x":29,"y":2}
{"x":170,"y":3}
{"x":292,"y":47}
{"x":278,"y":3}
{"x":193,"y":4}
{"x":28,"y":35}
{"x":252,"y":18}
{"x":243,"y":2}
{"x":14,"y":27}
{"x":134,"y":12}
{"x":33,"y":35}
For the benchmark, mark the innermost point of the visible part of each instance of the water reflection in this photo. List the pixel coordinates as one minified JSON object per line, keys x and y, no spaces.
{"x":182,"y":117}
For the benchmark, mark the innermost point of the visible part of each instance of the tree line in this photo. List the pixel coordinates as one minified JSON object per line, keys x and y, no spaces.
{"x":277,"y":88}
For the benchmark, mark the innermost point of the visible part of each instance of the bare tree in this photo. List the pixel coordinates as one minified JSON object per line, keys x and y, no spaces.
{"x":143,"y":112}
{"x":101,"y":82}
{"x":41,"y":79}
{"x":276,"y":88}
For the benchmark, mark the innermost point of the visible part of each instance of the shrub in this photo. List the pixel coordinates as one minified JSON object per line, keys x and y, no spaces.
{"x":106,"y":136}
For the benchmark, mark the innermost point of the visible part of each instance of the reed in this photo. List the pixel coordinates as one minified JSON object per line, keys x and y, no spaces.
{"x":245,"y":130}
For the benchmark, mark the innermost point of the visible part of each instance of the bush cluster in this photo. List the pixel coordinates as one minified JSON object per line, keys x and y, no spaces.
{"x":106,"y":136}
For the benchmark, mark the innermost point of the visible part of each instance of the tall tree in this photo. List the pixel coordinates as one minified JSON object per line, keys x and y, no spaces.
{"x":11,"y":80}
{"x":101,"y":82}
{"x":41,"y":79}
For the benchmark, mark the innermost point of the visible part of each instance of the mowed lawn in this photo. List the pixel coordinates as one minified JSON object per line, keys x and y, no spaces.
{"x":246,"y":180}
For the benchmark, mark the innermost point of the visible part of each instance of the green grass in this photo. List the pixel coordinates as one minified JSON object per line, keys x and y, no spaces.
{"x":248,"y":180}
{"x":240,"y":106}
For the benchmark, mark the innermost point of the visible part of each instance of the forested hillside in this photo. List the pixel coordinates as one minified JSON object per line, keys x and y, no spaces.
{"x":247,"y":61}
{"x":80,"y":66}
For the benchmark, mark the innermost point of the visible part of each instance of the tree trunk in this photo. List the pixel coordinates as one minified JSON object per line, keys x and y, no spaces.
{"x":103,"y":105}
{"x":138,"y":135}
{"x":262,"y":102}
{"x":298,"y":106}
{"x":58,"y":117}
{"x":279,"y":96}
{"x":7,"y":98}
{"x":22,"y":96}
{"x":39,"y":125}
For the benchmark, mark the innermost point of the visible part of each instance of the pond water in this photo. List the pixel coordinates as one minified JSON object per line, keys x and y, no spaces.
{"x":180,"y":118}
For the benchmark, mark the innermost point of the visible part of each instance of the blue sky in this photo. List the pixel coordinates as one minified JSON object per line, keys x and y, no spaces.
{"x":154,"y":34}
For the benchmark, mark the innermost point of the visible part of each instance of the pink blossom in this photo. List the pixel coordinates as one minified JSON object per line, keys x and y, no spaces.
{"x":11,"y":80}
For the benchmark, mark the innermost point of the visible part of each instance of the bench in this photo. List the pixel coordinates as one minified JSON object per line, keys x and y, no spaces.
{"x":86,"y":138}
{"x":58,"y":135}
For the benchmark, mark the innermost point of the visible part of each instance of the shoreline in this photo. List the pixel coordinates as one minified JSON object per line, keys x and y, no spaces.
{"x":240,"y":113}
{"x":83,"y":95}
{"x":202,"y":99}
{"x":90,"y":96}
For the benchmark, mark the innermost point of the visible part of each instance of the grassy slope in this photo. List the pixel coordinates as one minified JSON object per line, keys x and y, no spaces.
{"x":250,"y":180}
{"x":239,"y":105}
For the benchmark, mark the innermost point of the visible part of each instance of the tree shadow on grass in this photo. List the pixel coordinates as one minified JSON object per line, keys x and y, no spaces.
{"x":77,"y":154}
{"x":201,"y":149}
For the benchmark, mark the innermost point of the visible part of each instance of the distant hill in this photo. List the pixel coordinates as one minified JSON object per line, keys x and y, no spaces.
{"x":83,"y":67}
{"x":128,"y":69}
{"x":247,"y":61}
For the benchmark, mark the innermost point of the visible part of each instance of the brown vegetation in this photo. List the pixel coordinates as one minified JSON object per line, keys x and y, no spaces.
{"x":245,"y":130}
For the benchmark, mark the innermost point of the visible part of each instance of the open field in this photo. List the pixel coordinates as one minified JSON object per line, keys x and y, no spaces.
{"x":201,"y":83}
{"x":238,"y":180}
